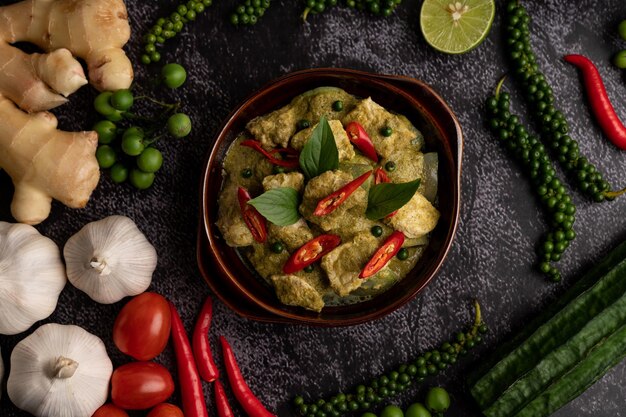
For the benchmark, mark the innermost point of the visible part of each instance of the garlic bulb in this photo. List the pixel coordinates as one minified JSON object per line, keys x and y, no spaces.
{"x":110,"y":259}
{"x":59,"y":371}
{"x":31,"y":277}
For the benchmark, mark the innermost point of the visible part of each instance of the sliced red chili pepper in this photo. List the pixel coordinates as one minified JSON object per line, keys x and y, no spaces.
{"x":380,"y":177}
{"x":330,"y":203}
{"x":383,"y":255}
{"x":190,"y":383}
{"x":599,"y":101}
{"x":359,"y":137}
{"x":221,"y":401}
{"x":289,"y":158}
{"x":253,"y":219}
{"x":311,"y":252}
{"x":249,"y":402}
{"x":200,"y":343}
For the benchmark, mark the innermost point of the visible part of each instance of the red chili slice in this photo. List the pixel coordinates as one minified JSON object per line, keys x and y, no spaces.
{"x":330,"y":203}
{"x":311,"y":252}
{"x":383,"y":255}
{"x":253,"y":219}
{"x":358,"y":136}
{"x":289,"y":158}
{"x":380,"y":177}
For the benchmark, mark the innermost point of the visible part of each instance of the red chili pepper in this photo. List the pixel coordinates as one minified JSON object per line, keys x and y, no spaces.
{"x":311,"y":252}
{"x":253,"y":219}
{"x":190,"y":383}
{"x":242,"y":391}
{"x":380,"y":176}
{"x":358,"y":136}
{"x":221,"y":401}
{"x":289,"y":158}
{"x":200,"y":343}
{"x":383,"y":255}
{"x":330,"y":203}
{"x":599,"y":101}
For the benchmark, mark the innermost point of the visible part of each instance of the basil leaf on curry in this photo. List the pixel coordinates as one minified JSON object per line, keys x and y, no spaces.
{"x":385,"y":198}
{"x":278,"y":205}
{"x":320,"y":153}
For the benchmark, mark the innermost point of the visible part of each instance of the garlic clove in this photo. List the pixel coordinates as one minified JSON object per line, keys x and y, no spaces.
{"x":110,"y":259}
{"x":32,"y":276}
{"x":59,"y":371}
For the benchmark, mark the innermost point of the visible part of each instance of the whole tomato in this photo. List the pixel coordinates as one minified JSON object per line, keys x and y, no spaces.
{"x":142,"y":327}
{"x":140,"y":385}
{"x":110,"y":410}
{"x":165,"y":410}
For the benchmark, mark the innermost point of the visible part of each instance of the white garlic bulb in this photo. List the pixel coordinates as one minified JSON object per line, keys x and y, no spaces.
{"x":110,"y":259}
{"x":59,"y":371}
{"x":32,"y":276}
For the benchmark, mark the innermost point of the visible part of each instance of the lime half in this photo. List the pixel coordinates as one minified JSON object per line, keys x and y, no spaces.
{"x":455,"y":27}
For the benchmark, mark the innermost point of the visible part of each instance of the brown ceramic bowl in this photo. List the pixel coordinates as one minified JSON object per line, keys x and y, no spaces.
{"x":246,"y":292}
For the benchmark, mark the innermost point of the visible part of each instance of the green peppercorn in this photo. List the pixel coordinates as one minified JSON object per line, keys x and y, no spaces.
{"x":246,"y":173}
{"x":390,"y":166}
{"x":376,"y":231}
{"x":338,"y":105}
{"x":308,"y":268}
{"x":386,"y":131}
{"x":403,"y":254}
{"x":277,"y":247}
{"x":303,"y":124}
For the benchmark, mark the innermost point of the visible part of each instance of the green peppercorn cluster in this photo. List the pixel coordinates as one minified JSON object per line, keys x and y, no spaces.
{"x":249,"y":12}
{"x":534,"y":158}
{"x":167,"y":27}
{"x":126,"y":141}
{"x":550,"y":121}
{"x":376,"y":7}
{"x":366,"y":396}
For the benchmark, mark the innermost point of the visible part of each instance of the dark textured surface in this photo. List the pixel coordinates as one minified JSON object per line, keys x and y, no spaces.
{"x":500,"y":220}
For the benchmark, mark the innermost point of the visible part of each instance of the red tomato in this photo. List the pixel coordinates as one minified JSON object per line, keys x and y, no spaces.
{"x":142,"y":328}
{"x":140,"y":385}
{"x":110,"y":410}
{"x":165,"y":410}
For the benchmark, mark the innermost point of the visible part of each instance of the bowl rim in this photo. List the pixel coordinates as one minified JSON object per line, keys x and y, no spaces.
{"x":284,"y":316}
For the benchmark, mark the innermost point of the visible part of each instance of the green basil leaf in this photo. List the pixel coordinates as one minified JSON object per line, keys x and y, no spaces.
{"x":278,"y":205}
{"x":320,"y":153}
{"x":385,"y":198}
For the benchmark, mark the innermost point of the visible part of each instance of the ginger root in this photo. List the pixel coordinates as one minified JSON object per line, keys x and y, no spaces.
{"x":43,"y":162}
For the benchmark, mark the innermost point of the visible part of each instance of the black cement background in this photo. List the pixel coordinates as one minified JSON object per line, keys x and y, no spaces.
{"x":500,"y":221}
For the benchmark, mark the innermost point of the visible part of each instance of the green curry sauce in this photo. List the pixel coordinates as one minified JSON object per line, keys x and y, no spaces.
{"x":334,"y":279}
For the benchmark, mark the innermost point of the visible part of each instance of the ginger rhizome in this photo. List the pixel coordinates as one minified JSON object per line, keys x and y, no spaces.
{"x":43,"y":162}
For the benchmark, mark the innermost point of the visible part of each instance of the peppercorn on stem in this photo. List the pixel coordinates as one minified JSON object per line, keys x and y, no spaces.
{"x":499,"y":86}
{"x":614,"y":194}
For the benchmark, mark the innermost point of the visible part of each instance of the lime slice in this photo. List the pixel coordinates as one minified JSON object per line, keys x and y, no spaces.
{"x":455,"y":27}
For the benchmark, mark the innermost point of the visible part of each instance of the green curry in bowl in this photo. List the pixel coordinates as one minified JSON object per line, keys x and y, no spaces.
{"x":330,"y":198}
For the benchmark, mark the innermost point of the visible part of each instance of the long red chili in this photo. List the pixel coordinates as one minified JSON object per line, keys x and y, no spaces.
{"x":599,"y":101}
{"x":289,"y":158}
{"x":330,"y":203}
{"x":383,"y":255}
{"x":249,"y":402}
{"x":190,"y":383}
{"x":221,"y":401}
{"x":200,"y":343}
{"x":311,"y":252}
{"x":252,"y":218}
{"x":359,"y":137}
